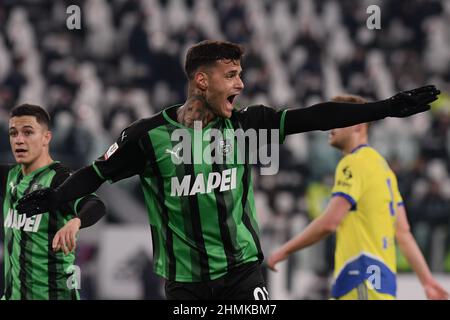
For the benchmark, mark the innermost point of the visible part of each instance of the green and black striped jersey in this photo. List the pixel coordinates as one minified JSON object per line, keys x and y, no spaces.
{"x":32,"y":269}
{"x":201,"y":212}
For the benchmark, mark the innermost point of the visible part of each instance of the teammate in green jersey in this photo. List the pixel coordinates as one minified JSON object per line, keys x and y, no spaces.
{"x":197,"y":183}
{"x":39,"y":259}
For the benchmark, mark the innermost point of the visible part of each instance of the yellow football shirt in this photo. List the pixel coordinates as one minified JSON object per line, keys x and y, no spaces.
{"x":365,"y":239}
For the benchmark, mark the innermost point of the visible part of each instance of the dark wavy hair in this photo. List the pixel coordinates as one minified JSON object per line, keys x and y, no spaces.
{"x":207,"y":52}
{"x":41,"y":115}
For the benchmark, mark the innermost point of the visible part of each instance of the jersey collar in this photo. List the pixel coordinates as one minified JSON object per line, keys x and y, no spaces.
{"x":359,"y":147}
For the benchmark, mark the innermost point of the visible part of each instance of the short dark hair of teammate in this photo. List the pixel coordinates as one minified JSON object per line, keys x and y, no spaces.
{"x":41,"y":115}
{"x":207,"y":52}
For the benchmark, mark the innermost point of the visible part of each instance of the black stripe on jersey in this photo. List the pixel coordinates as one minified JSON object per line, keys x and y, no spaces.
{"x":22,"y":263}
{"x":148,"y":147}
{"x":230,"y":251}
{"x":74,"y":294}
{"x":246,"y":185}
{"x":8,"y":279}
{"x":51,"y":256}
{"x":61,"y":173}
{"x":196,"y":224}
{"x":9,"y":246}
{"x":155,"y":243}
{"x":246,"y":213}
{"x":24,"y":257}
{"x":196,"y":270}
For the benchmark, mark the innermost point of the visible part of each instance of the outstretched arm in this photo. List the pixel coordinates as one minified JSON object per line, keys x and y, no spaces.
{"x":410,"y":249}
{"x":317,"y":230}
{"x":329,"y":115}
{"x":79,"y":184}
{"x":123,"y":159}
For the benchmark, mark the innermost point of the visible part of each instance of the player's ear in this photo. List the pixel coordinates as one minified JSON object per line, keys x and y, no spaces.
{"x":47,"y":137}
{"x":201,"y":80}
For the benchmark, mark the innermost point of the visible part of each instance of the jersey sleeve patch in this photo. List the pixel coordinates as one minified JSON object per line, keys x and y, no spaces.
{"x":348,"y":181}
{"x":112,"y":149}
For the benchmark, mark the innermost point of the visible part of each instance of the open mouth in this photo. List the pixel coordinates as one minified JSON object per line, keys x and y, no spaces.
{"x":20,"y":151}
{"x":231,"y":98}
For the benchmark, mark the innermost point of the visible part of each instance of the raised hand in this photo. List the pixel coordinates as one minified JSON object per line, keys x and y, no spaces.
{"x":407,"y":103}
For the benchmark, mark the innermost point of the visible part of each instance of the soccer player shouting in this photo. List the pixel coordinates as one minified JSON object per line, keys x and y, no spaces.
{"x":202,"y":212}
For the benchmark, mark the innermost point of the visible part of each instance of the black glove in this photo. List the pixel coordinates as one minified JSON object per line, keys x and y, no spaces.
{"x":39,"y":201}
{"x":407,"y":103}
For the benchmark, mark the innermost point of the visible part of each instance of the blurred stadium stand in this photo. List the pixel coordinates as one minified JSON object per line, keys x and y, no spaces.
{"x":126,"y":62}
